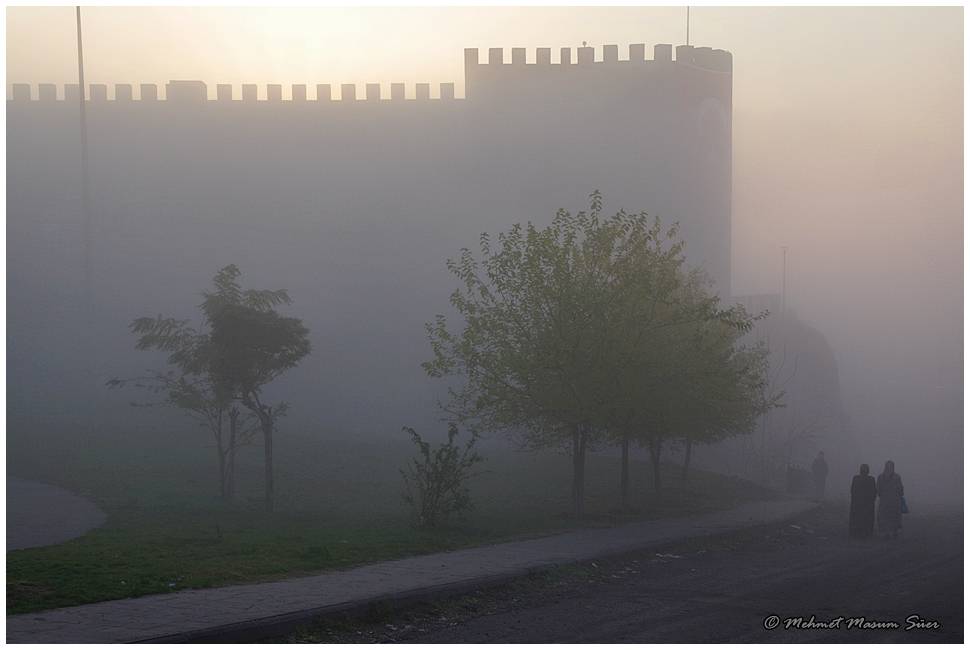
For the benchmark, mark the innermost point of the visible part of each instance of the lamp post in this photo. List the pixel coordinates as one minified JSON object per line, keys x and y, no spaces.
{"x":85,"y":193}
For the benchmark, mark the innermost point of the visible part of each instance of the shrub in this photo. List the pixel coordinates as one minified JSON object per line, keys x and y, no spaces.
{"x":435,"y":481}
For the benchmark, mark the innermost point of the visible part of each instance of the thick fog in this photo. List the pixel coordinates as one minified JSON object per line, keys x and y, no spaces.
{"x":871,"y":212}
{"x":354,"y":206}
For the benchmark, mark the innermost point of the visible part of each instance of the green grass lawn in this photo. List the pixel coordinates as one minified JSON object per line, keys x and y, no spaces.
{"x":339,"y":505}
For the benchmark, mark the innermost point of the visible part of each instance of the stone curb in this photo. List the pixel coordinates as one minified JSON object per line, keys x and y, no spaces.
{"x":281,"y":625}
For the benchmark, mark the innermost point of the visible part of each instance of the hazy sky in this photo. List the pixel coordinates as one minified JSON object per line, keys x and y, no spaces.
{"x":881,"y":86}
{"x":783,"y":56}
{"x":848,"y":127}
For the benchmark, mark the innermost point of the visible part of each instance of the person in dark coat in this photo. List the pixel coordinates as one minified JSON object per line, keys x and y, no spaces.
{"x":820,"y":470}
{"x":862,"y":508}
{"x":889,"y":487}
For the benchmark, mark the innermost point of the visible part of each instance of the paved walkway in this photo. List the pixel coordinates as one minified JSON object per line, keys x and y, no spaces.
{"x":42,"y":515}
{"x":177,"y":616}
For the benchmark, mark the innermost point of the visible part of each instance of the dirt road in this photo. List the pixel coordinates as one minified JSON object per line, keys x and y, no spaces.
{"x":718,"y":591}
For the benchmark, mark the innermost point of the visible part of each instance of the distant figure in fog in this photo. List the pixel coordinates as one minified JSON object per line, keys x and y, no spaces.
{"x":889,"y":486}
{"x":820,"y":470}
{"x":862,"y":509}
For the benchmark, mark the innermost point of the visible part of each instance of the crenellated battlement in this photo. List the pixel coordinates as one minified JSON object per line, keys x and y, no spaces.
{"x":701,"y":57}
{"x":494,"y":67}
{"x":197,"y":92}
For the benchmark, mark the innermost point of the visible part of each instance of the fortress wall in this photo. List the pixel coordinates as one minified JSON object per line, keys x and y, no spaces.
{"x":352,"y":206}
{"x":488,"y":73}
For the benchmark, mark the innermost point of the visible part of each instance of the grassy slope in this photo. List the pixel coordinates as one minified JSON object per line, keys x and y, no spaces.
{"x":339,"y":505}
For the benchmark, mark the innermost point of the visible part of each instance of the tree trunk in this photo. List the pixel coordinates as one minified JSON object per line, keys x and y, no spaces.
{"x":656,"y":446}
{"x":267,"y":424}
{"x":231,"y":479}
{"x":221,"y":451}
{"x":687,"y":449}
{"x":579,"y":470}
{"x":625,"y":474}
{"x":222,"y":468}
{"x":265,"y":414}
{"x":582,"y":473}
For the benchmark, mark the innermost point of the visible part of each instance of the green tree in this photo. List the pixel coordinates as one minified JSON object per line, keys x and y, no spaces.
{"x":251,"y":345}
{"x":242,"y":345}
{"x":539,"y":342}
{"x":693,"y":380}
{"x":192,"y":386}
{"x":677,"y":371}
{"x":646,"y":313}
{"x":724,"y":386}
{"x":706,"y":385}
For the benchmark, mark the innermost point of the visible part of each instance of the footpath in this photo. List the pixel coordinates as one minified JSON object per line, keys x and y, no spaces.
{"x":42,"y":515}
{"x":253,"y":611}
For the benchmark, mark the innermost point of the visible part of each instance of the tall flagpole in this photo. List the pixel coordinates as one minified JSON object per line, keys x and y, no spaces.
{"x":85,"y":195}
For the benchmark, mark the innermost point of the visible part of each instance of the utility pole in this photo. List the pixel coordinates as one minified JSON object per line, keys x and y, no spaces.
{"x":688,"y":24}
{"x":85,"y":193}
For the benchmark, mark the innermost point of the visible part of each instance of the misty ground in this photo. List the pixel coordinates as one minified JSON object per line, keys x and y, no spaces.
{"x":714,"y":590}
{"x":339,"y":505}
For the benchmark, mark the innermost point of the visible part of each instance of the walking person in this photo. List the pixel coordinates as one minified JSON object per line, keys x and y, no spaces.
{"x":820,"y":470}
{"x":889,"y":486}
{"x":862,"y":508}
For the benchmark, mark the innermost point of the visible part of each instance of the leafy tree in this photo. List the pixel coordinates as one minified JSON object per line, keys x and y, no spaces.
{"x":688,"y":377}
{"x":191,"y":386}
{"x":435,"y":483}
{"x":593,"y":330}
{"x":646,"y":315}
{"x":725,"y":394}
{"x":540,"y":342}
{"x":242,"y":345}
{"x":251,"y":345}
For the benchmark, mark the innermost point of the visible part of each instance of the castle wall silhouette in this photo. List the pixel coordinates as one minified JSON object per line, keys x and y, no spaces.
{"x":353,"y":204}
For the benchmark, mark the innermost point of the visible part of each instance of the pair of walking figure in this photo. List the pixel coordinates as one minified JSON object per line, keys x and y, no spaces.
{"x":892,"y":504}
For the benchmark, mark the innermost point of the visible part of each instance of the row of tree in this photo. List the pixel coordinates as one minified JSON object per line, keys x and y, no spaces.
{"x":590,"y":331}
{"x":594,"y":331}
